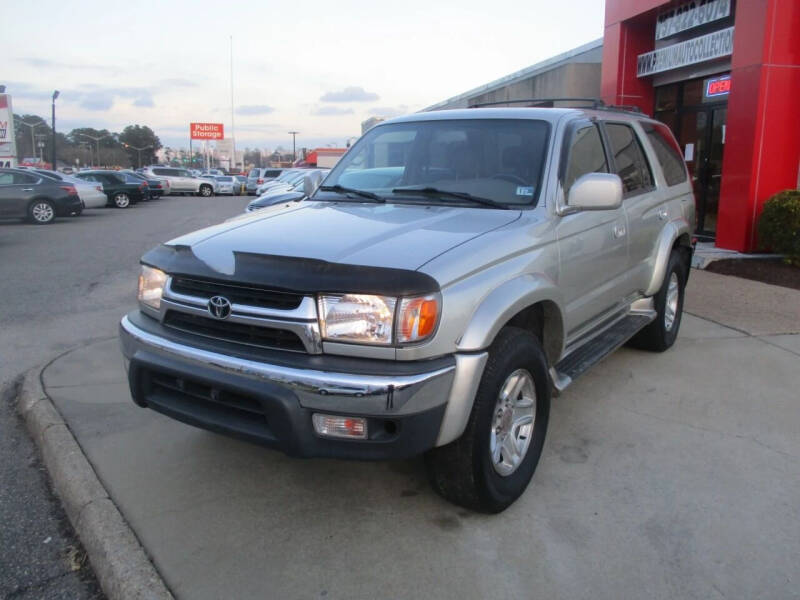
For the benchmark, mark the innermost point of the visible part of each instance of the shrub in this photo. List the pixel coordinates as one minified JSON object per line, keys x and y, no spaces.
{"x":779,"y":225}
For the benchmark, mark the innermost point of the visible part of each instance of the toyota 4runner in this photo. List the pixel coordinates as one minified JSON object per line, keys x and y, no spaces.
{"x":453,"y":271}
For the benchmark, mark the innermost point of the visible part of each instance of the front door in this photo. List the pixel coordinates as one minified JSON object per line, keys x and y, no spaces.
{"x":702,"y":136}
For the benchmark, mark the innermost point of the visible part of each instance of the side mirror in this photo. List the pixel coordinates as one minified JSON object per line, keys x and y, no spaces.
{"x":311,"y":183}
{"x":595,"y":191}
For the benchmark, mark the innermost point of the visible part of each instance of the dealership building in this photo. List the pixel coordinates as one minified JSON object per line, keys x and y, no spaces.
{"x":724,"y":75}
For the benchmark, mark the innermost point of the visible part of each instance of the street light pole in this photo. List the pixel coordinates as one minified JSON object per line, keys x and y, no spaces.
{"x":97,"y":141}
{"x":55,"y":95}
{"x":294,"y":146}
{"x":32,"y":126}
{"x":139,"y":150}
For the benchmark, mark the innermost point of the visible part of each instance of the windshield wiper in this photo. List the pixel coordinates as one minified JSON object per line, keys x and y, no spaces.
{"x":432,"y":191}
{"x":346,"y":190}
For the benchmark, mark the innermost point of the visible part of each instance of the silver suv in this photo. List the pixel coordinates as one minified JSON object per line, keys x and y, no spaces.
{"x":454,"y":271}
{"x":181,"y":181}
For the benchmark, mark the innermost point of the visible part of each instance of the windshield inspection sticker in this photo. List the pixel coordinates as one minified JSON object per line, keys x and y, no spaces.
{"x":524,"y":191}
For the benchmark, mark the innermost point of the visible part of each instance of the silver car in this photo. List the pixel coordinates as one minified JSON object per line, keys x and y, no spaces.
{"x":454,"y":270}
{"x":181,"y":181}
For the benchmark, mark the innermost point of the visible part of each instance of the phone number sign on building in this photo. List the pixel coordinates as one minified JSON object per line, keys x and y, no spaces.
{"x":206,"y":131}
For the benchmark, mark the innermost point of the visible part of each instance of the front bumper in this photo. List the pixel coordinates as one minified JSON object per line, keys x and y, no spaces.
{"x":270,"y":399}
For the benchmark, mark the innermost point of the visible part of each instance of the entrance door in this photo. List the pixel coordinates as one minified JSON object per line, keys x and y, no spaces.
{"x":703,"y":138}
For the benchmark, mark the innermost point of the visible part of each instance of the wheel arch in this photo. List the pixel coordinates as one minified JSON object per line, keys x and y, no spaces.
{"x":531,"y":302}
{"x":676,"y":234}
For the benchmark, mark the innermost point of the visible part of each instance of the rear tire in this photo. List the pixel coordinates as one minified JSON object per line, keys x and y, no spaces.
{"x":206,"y":191}
{"x":476,"y":470}
{"x":41,"y":212}
{"x":121,"y":200}
{"x":661,"y":334}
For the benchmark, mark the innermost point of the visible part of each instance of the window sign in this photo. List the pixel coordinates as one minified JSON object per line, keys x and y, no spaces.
{"x":716,"y":89}
{"x":690,"y":15}
{"x":697,"y":50}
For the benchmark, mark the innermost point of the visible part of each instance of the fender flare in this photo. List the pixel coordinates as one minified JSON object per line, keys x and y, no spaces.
{"x":666,"y":240}
{"x":510,"y":298}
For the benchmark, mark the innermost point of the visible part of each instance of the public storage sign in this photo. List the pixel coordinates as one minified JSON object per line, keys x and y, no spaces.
{"x":206,"y":131}
{"x":697,"y":50}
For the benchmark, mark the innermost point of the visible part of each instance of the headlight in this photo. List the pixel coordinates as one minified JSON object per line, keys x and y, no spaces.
{"x":357,"y":318}
{"x":151,"y":286}
{"x":366,"y":319}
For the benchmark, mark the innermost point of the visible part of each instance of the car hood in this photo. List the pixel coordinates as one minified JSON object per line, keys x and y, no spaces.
{"x":399,"y":236}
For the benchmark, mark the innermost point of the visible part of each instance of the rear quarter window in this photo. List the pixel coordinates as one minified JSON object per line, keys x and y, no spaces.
{"x":162,"y":171}
{"x":667,"y":152}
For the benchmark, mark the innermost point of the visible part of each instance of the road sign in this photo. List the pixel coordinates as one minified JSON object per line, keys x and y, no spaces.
{"x":206,"y":131}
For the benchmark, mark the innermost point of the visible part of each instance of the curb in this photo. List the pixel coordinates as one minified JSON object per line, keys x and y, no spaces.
{"x":118,"y":559}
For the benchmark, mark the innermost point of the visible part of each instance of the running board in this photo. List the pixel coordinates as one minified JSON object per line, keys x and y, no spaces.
{"x":592,"y":352}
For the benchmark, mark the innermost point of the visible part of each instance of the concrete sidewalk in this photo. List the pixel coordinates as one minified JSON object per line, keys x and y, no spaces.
{"x":664,"y":475}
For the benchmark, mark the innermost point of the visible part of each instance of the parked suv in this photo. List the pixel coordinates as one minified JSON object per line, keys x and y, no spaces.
{"x":181,"y":181}
{"x":258,"y":176}
{"x":452,"y":272}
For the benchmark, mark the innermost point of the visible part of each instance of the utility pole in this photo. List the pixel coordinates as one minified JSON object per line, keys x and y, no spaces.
{"x":294,"y":146}
{"x":233,"y":125}
{"x":55,"y":95}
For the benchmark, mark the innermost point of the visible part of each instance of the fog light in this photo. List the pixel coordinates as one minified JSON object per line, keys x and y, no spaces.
{"x":340,"y":427}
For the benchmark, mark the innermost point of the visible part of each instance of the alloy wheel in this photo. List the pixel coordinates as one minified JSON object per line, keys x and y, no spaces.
{"x":671,"y":305}
{"x":43,"y":212}
{"x":512,"y":426}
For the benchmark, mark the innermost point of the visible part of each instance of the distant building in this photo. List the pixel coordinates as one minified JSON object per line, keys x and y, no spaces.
{"x":573,"y":74}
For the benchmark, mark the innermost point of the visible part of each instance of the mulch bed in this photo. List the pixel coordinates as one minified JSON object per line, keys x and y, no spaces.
{"x":768,"y":270}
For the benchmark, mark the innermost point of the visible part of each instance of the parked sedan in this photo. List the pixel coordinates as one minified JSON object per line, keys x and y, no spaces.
{"x":91,"y":194}
{"x":120,"y":191}
{"x":29,"y":195}
{"x":227,"y":184}
{"x":158,"y":187}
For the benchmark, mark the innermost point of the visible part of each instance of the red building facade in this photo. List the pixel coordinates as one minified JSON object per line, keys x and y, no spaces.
{"x":725,"y":75}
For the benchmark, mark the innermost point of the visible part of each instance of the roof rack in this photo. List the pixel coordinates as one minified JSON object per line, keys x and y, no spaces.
{"x":546,"y":102}
{"x":591,"y":103}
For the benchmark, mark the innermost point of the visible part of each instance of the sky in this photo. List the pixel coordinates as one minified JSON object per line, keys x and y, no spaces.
{"x":317,"y":67}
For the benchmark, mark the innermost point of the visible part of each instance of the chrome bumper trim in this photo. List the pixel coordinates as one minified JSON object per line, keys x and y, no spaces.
{"x":323,"y":390}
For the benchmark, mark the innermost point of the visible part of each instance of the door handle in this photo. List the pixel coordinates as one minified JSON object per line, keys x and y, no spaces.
{"x":663,"y":214}
{"x":27,"y":189}
{"x":619,"y":231}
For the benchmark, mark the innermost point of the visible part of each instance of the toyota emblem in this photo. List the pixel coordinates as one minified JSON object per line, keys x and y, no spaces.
{"x":219,"y":307}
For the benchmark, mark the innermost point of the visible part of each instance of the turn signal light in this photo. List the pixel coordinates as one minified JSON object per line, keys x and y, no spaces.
{"x":340,"y":427}
{"x":417,"y":318}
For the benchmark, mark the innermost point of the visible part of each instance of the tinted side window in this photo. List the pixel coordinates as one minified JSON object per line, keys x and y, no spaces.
{"x":162,"y":172}
{"x":6,"y":179}
{"x":28,"y":178}
{"x":629,"y":160}
{"x":272,"y":173}
{"x":586,"y":155}
{"x":667,"y":151}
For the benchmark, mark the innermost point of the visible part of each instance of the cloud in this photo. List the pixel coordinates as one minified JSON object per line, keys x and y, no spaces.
{"x":97,"y":98}
{"x":350,"y":94}
{"x":388,"y":111}
{"x":254,"y":109}
{"x":177,"y":82}
{"x":331,"y":111}
{"x":46,"y":63}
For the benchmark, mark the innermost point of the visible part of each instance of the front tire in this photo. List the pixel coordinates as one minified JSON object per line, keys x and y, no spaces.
{"x":491,"y":464}
{"x":121,"y":200}
{"x":661,"y":334}
{"x":206,"y":191}
{"x":41,"y":212}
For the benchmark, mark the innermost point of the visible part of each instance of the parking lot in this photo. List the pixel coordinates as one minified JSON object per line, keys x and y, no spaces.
{"x":663,"y":476}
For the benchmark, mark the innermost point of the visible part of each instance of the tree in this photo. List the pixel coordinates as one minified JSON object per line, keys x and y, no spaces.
{"x":140,"y":136}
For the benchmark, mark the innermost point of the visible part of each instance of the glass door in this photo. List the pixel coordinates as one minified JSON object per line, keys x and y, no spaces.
{"x":702,"y":136}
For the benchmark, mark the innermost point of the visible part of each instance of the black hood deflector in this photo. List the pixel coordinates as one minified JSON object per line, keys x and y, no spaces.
{"x":293,"y":274}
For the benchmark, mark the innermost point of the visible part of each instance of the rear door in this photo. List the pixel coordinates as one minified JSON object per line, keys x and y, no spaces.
{"x":593,"y":245}
{"x":16,"y":190}
{"x":642,"y":200}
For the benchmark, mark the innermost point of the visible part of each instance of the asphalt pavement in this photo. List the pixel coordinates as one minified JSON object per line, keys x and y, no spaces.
{"x":663,"y":475}
{"x":66,"y":284}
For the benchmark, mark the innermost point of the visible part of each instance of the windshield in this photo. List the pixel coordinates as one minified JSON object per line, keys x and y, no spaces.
{"x":497,"y":159}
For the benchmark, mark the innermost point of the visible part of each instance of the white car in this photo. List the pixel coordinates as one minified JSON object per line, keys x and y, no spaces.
{"x":227,"y":184}
{"x":287,"y":179}
{"x":181,"y":181}
{"x":90,"y":193}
